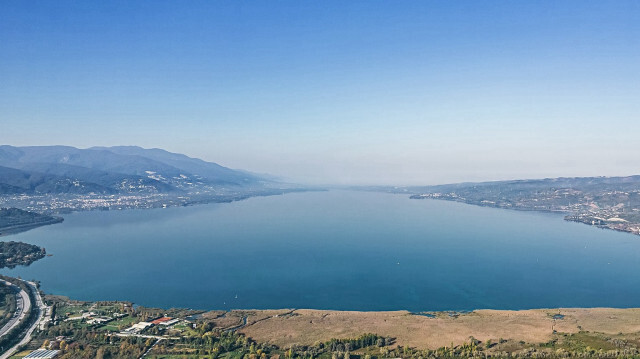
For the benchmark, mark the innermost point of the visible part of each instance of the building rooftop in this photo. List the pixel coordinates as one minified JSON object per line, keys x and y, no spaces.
{"x":160,"y":320}
{"x":42,"y":353}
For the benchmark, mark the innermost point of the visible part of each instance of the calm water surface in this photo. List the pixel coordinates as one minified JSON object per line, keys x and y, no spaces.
{"x":336,"y":250}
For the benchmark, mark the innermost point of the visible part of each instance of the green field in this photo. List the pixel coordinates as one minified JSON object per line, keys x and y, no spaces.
{"x":118,"y":325}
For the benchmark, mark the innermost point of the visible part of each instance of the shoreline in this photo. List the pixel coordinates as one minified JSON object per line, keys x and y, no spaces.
{"x":425,"y":329}
{"x":512,"y":331}
{"x":156,"y":204}
{"x":568,"y":215}
{"x":7,"y":231}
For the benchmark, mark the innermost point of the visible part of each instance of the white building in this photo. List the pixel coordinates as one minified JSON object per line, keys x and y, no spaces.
{"x":42,"y":353}
{"x":138,"y":327}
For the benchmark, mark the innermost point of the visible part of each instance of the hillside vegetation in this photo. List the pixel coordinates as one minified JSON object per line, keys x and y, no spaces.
{"x":110,"y":170}
{"x":18,"y":253}
{"x":15,"y":220}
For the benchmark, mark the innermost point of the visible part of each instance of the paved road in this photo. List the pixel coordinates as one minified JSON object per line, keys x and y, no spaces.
{"x":41,"y":309}
{"x":23,"y":305}
{"x":145,"y":336}
{"x":150,"y":348}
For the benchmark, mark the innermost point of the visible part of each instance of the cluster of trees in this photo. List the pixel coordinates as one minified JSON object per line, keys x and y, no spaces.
{"x":112,"y":347}
{"x":68,"y":329}
{"x":362,"y":341}
{"x":212,"y":342}
{"x":15,"y":253}
{"x":85,"y":342}
{"x":337,"y":348}
{"x":205,"y":340}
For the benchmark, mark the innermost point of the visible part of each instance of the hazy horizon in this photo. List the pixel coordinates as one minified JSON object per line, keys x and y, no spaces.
{"x":411,"y":93}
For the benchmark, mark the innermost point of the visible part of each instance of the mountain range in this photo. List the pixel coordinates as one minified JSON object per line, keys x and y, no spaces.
{"x":111,"y":170}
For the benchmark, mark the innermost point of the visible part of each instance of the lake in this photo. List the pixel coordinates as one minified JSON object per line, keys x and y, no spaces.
{"x":343,"y":250}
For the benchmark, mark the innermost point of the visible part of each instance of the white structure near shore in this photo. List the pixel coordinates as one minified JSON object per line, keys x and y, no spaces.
{"x":42,"y":353}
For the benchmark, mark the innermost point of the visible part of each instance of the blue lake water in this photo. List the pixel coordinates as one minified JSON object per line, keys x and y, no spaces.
{"x":336,"y":250}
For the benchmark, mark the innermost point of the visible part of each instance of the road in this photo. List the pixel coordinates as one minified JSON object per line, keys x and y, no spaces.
{"x":145,"y":336}
{"x":41,"y":310}
{"x":150,"y":348}
{"x":23,"y":305}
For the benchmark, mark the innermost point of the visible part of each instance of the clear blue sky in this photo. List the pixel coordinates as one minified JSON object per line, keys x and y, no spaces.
{"x":390,"y":92}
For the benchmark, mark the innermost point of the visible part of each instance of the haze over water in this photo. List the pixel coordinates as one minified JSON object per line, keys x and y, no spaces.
{"x":336,"y":250}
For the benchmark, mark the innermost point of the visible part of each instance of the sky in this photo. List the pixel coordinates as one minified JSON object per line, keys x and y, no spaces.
{"x":333,"y":92}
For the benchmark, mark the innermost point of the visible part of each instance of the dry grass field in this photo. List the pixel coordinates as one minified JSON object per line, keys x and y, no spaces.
{"x":306,"y":327}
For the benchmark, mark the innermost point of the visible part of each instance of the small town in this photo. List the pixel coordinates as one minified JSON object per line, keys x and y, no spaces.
{"x":617,"y":209}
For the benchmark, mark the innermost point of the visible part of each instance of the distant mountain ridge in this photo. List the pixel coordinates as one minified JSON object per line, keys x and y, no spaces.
{"x":209,"y":170}
{"x":110,"y":170}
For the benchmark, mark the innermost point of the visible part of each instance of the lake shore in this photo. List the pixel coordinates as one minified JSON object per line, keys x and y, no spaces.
{"x":297,"y":333}
{"x":9,"y":230}
{"x":553,"y":332}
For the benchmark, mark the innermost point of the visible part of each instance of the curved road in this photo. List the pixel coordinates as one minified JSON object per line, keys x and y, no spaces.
{"x":27,"y":306}
{"x":23,"y":305}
